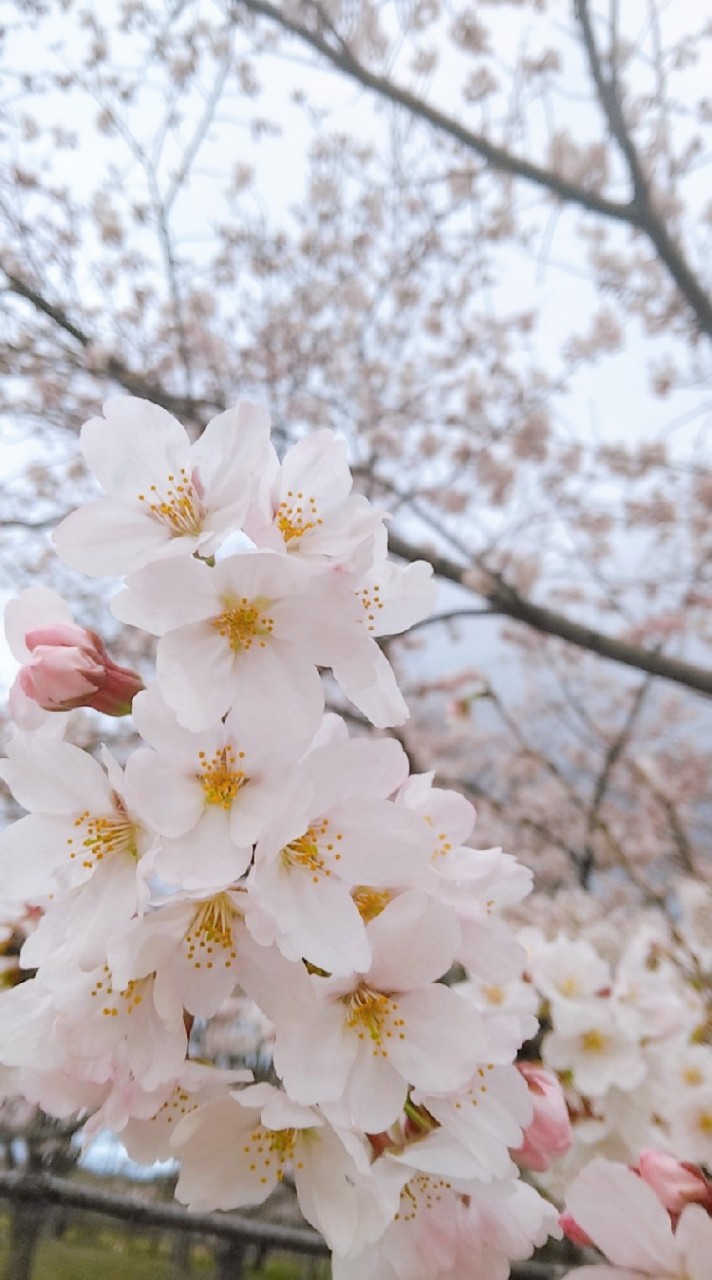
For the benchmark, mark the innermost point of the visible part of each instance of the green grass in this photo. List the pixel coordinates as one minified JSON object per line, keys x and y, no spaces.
{"x":91,"y":1250}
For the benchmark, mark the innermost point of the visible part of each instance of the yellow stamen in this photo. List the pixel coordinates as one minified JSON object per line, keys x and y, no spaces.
{"x":243,"y":622}
{"x":179,"y":506}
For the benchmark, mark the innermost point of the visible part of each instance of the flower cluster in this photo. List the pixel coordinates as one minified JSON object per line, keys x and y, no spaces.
{"x":251,"y":846}
{"x":627,"y":1035}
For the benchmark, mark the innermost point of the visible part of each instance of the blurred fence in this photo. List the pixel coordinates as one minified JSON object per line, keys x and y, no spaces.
{"x":237,"y":1237}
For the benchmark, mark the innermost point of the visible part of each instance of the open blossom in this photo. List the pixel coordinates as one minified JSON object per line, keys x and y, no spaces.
{"x":208,"y":795}
{"x":236,"y":1149}
{"x":364,"y":1039}
{"x":448,"y":1229}
{"x":311,"y":511}
{"x":248,"y":633}
{"x":164,"y":495}
{"x":334,"y":830}
{"x":78,"y":824}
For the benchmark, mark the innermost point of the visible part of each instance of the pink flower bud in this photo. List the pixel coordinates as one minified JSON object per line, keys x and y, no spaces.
{"x":70,"y":667}
{"x":675,"y":1183}
{"x":549,"y":1134}
{"x":573,"y":1231}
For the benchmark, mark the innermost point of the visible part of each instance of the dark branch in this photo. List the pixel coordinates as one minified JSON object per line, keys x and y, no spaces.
{"x":500,"y":159}
{"x":504,"y":599}
{"x":46,"y":1189}
{"x":645,"y":216}
{"x":135,"y":383}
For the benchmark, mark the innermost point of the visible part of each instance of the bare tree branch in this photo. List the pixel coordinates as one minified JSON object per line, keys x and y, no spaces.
{"x":637,"y":212}
{"x":503,"y":161}
{"x":646,"y":217}
{"x":506,"y":600}
{"x":135,"y":383}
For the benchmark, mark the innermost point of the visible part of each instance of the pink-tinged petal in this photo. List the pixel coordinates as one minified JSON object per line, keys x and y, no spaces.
{"x":439,"y":1154}
{"x":326,"y":1190}
{"x":602,"y":1272}
{"x":272,"y":682}
{"x":384,"y":844}
{"x":195,"y":670}
{"x":407,"y":593}
{"x":314,"y":1055}
{"x":204,"y":857}
{"x":234,"y":446}
{"x":161,"y":597}
{"x":134,"y":445}
{"x":254,"y":804}
{"x":443,"y":1037}
{"x":693,"y":1240}
{"x":107,"y":537}
{"x":376,"y":1090}
{"x":33,"y":608}
{"x":623,"y":1217}
{"x":356,"y":767}
{"x":368,"y":680}
{"x":55,"y":777}
{"x":278,"y":1111}
{"x":167,"y":800}
{"x":24,"y":711}
{"x":318,"y":922}
{"x":318,"y":465}
{"x":414,"y":941}
{"x":216,"y":1173}
{"x":32,"y":850}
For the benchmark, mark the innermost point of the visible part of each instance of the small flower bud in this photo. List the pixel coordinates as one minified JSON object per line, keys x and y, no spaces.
{"x":675,"y":1183}
{"x":70,"y":667}
{"x":549,"y":1134}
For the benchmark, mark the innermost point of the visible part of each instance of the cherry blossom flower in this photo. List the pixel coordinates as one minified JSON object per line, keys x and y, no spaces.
{"x":190,"y":945}
{"x":366,"y":1038}
{"x":311,"y":510}
{"x":164,"y":495}
{"x":334,"y":830}
{"x":248,"y":633}
{"x":209,"y":795}
{"x":79,"y":823}
{"x":236,"y":1149}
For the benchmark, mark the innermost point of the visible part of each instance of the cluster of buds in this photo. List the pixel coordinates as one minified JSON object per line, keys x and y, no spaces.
{"x":251,"y":847}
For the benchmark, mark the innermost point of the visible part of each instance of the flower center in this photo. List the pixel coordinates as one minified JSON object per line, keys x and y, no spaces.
{"x":296,"y":516}
{"x":118,"y":1002}
{"x":370,"y":902}
{"x":211,"y":932}
{"x":305,"y":851}
{"x":373,"y":1013}
{"x":221,"y":779}
{"x":421,"y":1193}
{"x":594,"y":1042}
{"x":98,"y":836}
{"x":243,"y":623}
{"x":269,"y":1147}
{"x":704,"y":1122}
{"x":178,"y":506}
